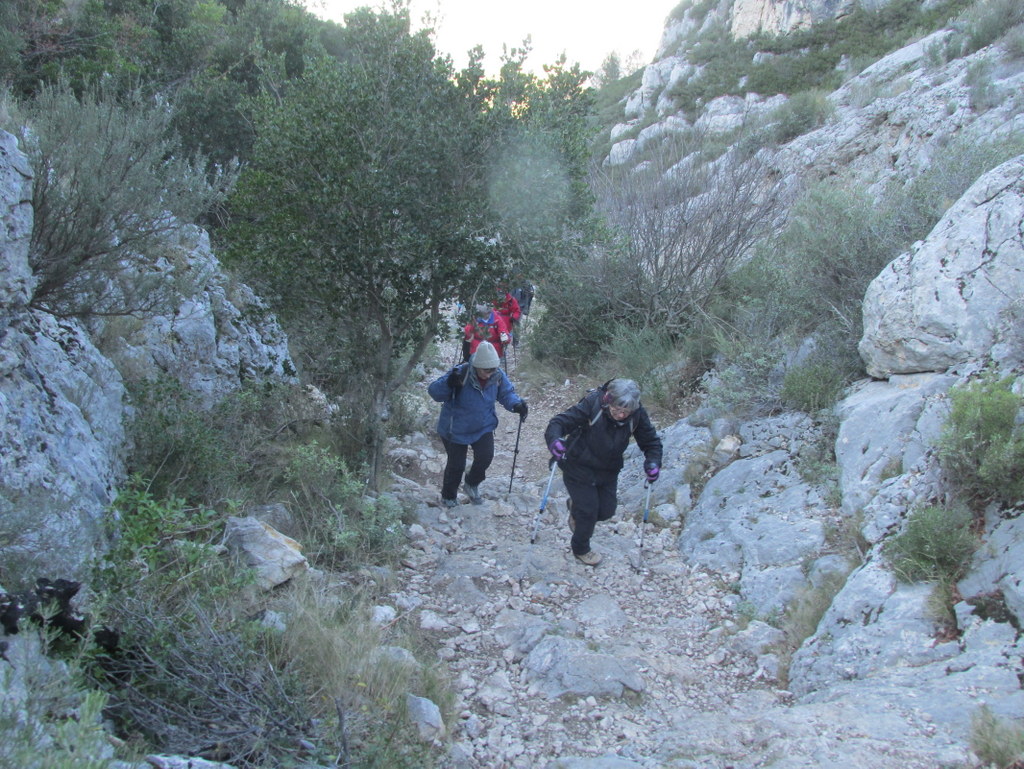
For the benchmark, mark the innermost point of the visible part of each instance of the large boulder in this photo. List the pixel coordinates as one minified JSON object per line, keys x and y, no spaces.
{"x":956,"y":296}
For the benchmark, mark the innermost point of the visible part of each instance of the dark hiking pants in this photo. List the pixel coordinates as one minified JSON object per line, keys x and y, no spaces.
{"x":483,"y":454}
{"x":590,"y":503}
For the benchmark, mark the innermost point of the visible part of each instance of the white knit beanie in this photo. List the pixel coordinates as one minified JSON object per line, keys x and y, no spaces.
{"x":485,"y":356}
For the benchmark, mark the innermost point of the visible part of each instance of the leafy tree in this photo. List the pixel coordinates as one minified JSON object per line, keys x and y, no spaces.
{"x":369,"y":199}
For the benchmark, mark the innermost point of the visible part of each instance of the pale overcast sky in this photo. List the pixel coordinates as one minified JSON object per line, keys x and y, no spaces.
{"x":586,"y":30}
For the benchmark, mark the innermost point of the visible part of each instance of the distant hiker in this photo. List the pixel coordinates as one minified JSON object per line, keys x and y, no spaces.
{"x":523,"y":293}
{"x":588,"y":441}
{"x":487,"y":325}
{"x":467,"y":394}
{"x":507,"y":306}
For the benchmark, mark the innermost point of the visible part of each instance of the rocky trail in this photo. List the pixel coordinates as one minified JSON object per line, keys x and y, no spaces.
{"x":643,"y":661}
{"x":552,"y":658}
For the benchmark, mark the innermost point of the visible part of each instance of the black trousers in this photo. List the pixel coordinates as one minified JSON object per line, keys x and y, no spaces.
{"x":591,"y":502}
{"x":483,"y":455}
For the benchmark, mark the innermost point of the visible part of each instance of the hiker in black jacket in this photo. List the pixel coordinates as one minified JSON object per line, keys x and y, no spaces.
{"x":588,"y":441}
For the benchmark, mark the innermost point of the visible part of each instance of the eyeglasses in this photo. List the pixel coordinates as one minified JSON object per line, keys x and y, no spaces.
{"x":619,"y":414}
{"x":486,"y":370}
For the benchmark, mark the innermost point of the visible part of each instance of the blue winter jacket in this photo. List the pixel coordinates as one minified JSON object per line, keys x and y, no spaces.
{"x":467,"y":414}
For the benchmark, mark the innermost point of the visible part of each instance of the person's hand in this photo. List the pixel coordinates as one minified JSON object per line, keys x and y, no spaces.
{"x":454,"y":379}
{"x":504,"y":338}
{"x":521,"y":409}
{"x":557,"y":449}
{"x":652,"y":470}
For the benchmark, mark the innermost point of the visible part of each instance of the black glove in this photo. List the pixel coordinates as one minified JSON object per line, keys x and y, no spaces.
{"x":521,"y":409}
{"x":454,"y":379}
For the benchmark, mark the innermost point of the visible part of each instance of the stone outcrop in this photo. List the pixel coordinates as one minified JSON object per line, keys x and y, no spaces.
{"x":64,"y":408}
{"x":959,"y":295}
{"x":213,"y":337}
{"x":61,"y":408}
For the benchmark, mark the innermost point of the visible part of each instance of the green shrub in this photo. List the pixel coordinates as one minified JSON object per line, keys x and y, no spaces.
{"x":339,"y":525}
{"x":982,"y":446}
{"x":916,"y":207}
{"x":983,"y":94}
{"x":163,"y":542}
{"x":46,"y":708}
{"x":110,"y":184}
{"x":746,"y":382}
{"x":812,"y":386}
{"x":637,"y":354}
{"x":935,"y":545}
{"x":182,"y":448}
{"x":1015,"y":42}
{"x":995,"y":742}
{"x":835,"y":244}
{"x":985,"y":22}
{"x":804,"y":112}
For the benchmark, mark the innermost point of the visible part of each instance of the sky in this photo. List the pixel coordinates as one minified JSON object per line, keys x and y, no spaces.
{"x":586,"y":30}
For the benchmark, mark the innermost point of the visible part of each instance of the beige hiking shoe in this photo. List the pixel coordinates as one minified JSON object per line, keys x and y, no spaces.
{"x":590,"y":559}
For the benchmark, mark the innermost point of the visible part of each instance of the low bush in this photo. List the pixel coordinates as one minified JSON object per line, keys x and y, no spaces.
{"x":916,"y":207}
{"x":54,"y":726}
{"x":981,"y":447}
{"x":110,"y":183}
{"x":804,"y":112}
{"x":638,"y":354}
{"x":997,"y":743}
{"x":183,"y":670}
{"x":983,"y":94}
{"x":987,"y":21}
{"x":358,"y":673}
{"x":812,"y":386}
{"x":338,"y":525}
{"x":936,"y":544}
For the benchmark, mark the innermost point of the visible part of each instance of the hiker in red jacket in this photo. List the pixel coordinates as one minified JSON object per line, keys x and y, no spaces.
{"x":507,"y":306}
{"x":487,"y":325}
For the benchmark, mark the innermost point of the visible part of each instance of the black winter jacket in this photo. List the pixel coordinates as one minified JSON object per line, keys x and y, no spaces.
{"x":595,"y":442}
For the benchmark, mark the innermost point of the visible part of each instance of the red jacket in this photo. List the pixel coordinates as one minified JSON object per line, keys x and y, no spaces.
{"x":508,"y":308}
{"x":492,"y":331}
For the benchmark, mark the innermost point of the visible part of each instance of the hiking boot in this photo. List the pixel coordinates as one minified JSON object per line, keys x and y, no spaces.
{"x":590,"y":558}
{"x":572,"y":518}
{"x":473,"y":492}
{"x":449,"y":502}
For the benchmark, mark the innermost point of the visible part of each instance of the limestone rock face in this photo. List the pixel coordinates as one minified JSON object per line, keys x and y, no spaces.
{"x":216,"y":335}
{"x":956,"y":296}
{"x":63,"y":404}
{"x":61,"y":407}
{"x":780,"y":16}
{"x":16,"y":215}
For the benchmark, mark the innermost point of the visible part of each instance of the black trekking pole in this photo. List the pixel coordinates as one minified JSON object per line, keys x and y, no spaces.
{"x":643,"y":527}
{"x":543,"y":503}
{"x":515,"y":455}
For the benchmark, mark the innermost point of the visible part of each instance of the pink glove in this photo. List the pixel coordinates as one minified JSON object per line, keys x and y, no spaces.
{"x":557,"y":449}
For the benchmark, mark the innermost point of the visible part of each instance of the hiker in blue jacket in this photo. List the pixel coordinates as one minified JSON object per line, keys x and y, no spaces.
{"x":588,"y":441}
{"x":467,"y":395}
